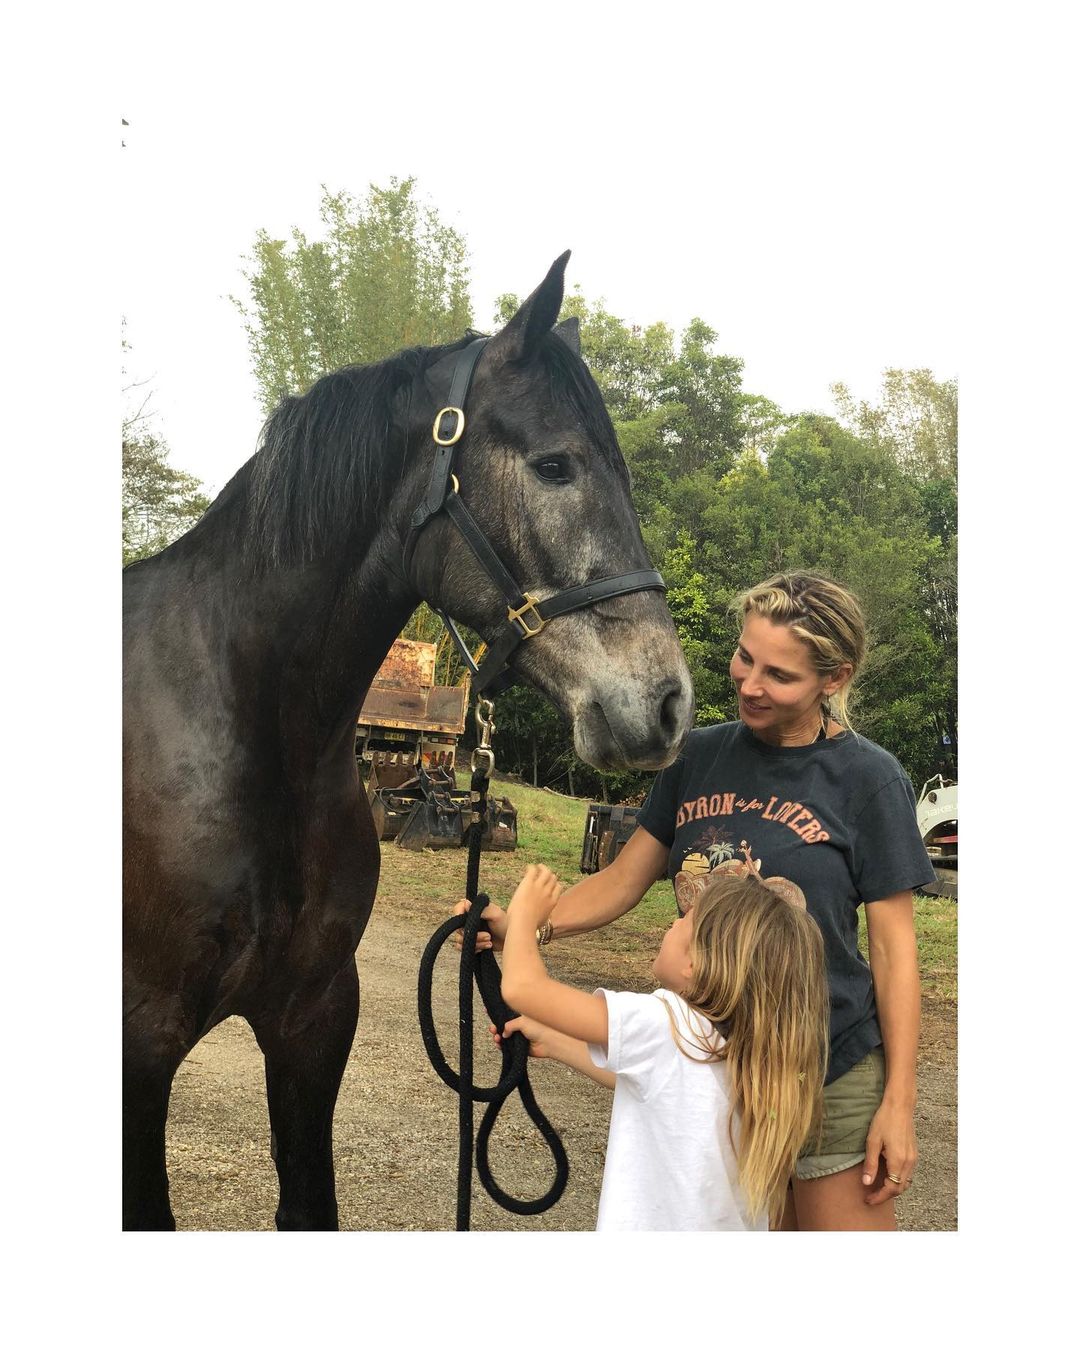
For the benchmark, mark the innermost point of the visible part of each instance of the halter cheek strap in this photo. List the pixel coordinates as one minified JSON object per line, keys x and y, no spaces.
{"x":447,"y":430}
{"x":525,"y":614}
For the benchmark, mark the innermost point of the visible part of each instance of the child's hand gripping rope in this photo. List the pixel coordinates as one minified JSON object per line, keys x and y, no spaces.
{"x":543,"y":1041}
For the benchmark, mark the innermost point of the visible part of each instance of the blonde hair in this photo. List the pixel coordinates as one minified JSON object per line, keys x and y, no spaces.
{"x":758,"y":974}
{"x":825,"y":615}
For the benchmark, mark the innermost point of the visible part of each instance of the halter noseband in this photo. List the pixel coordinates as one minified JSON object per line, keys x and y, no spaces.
{"x":525,"y":614}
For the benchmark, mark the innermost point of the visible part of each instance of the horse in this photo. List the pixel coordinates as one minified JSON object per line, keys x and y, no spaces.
{"x":250,"y":855}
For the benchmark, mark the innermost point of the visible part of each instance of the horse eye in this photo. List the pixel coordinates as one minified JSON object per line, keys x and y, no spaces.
{"x":554,"y":470}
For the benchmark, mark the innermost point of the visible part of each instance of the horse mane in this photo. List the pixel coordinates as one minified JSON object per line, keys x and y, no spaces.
{"x":333,"y":456}
{"x":324,"y":456}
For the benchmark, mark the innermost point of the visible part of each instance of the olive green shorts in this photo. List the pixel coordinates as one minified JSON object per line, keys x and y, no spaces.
{"x":850,"y":1103}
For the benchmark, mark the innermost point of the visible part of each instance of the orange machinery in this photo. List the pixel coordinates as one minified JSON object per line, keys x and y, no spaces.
{"x":406,"y":735}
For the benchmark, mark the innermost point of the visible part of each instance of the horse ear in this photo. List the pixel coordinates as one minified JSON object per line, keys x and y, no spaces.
{"x":521,"y":336}
{"x":570,"y":332}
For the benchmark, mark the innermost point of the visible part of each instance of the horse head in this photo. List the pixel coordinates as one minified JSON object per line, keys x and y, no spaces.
{"x":538,"y":468}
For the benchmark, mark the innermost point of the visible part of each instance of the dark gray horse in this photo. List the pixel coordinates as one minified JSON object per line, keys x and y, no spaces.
{"x":250,"y":860}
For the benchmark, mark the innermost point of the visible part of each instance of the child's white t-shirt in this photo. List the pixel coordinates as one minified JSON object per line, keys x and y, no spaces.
{"x":670,"y":1165}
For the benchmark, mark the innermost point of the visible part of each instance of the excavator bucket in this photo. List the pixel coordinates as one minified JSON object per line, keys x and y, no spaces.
{"x":607,"y":829}
{"x":428,"y":810}
{"x":439,"y":813}
{"x":500,"y":832}
{"x":395,"y":791}
{"x":443,"y":820}
{"x":437,"y":821}
{"x":390,"y":810}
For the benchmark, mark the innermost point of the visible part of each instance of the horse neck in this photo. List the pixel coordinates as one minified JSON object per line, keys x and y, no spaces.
{"x":340,"y":644}
{"x":296,"y":648}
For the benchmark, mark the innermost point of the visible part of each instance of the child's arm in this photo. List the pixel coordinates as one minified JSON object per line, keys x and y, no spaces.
{"x":545,"y":1043}
{"x":526,"y":985}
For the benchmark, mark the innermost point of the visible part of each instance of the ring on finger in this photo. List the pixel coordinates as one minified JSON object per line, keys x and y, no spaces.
{"x":896,"y":1181}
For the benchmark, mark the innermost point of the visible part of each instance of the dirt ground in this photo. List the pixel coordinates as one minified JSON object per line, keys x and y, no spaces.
{"x":395,"y":1130}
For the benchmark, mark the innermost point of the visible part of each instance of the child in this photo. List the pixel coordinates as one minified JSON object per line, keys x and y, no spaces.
{"x":717,"y":1075}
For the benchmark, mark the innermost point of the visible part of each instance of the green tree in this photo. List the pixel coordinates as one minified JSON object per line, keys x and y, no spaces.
{"x":387,"y":274}
{"x":706,"y":388}
{"x":159,"y":502}
{"x":940,"y":604}
{"x":832,"y":501}
{"x":916,"y":420}
{"x":762,"y":423}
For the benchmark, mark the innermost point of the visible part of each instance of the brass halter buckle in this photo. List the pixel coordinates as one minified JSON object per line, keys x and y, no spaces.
{"x":459,"y":426}
{"x":519,"y":616}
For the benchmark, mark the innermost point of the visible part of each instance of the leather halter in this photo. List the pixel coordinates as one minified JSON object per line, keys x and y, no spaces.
{"x":525,"y":614}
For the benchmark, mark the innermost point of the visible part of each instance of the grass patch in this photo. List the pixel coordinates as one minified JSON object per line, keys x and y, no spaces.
{"x":936,"y":930}
{"x":936,"y":923}
{"x":550,"y":830}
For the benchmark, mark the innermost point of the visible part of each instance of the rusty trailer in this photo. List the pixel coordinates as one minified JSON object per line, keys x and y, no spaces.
{"x":406,"y":740}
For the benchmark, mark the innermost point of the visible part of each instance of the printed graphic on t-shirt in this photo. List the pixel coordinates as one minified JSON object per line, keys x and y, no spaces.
{"x":797,"y":817}
{"x":719,"y":855}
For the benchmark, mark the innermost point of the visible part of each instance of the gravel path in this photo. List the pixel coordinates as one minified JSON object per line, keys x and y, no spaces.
{"x":395,"y":1129}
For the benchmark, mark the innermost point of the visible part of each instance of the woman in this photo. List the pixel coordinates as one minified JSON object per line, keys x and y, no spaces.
{"x":793,"y":788}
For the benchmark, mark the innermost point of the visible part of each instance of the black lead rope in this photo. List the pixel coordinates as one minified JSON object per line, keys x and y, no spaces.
{"x":482,"y":967}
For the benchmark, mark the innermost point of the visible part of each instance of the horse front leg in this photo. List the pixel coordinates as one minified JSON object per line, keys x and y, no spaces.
{"x":147,"y":1083}
{"x":303,"y":1073}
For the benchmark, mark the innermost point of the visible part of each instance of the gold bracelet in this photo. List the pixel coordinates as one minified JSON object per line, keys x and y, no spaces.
{"x":544,"y":933}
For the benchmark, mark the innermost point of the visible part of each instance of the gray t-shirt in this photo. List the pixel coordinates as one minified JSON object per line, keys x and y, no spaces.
{"x":836,"y":817}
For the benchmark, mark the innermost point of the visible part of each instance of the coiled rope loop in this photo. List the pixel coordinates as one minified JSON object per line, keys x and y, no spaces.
{"x":484,"y":969}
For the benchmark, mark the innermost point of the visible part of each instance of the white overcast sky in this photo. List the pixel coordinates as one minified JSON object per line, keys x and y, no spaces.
{"x":787,"y":173}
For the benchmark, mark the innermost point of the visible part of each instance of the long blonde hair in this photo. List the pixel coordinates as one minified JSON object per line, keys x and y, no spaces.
{"x":758,"y":974}
{"x":825,"y":615}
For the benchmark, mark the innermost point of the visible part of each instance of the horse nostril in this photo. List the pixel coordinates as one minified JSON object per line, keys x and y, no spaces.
{"x":672,"y":712}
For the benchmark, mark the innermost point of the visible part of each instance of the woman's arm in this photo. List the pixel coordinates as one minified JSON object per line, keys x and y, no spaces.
{"x":594,"y":901}
{"x":894,"y":965}
{"x":611,"y":892}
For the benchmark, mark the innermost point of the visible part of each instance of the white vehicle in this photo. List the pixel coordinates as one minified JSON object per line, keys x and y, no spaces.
{"x":936,"y":813}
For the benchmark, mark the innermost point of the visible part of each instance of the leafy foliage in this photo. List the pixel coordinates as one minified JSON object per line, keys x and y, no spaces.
{"x":916,"y":420}
{"x":387,"y":274}
{"x":159,"y":502}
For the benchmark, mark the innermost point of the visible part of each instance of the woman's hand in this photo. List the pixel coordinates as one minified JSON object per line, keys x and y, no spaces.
{"x":891,"y":1153}
{"x":536,"y":896}
{"x":496,"y":920}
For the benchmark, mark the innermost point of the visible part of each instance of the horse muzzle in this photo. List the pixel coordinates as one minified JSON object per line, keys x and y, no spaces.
{"x":634,"y":725}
